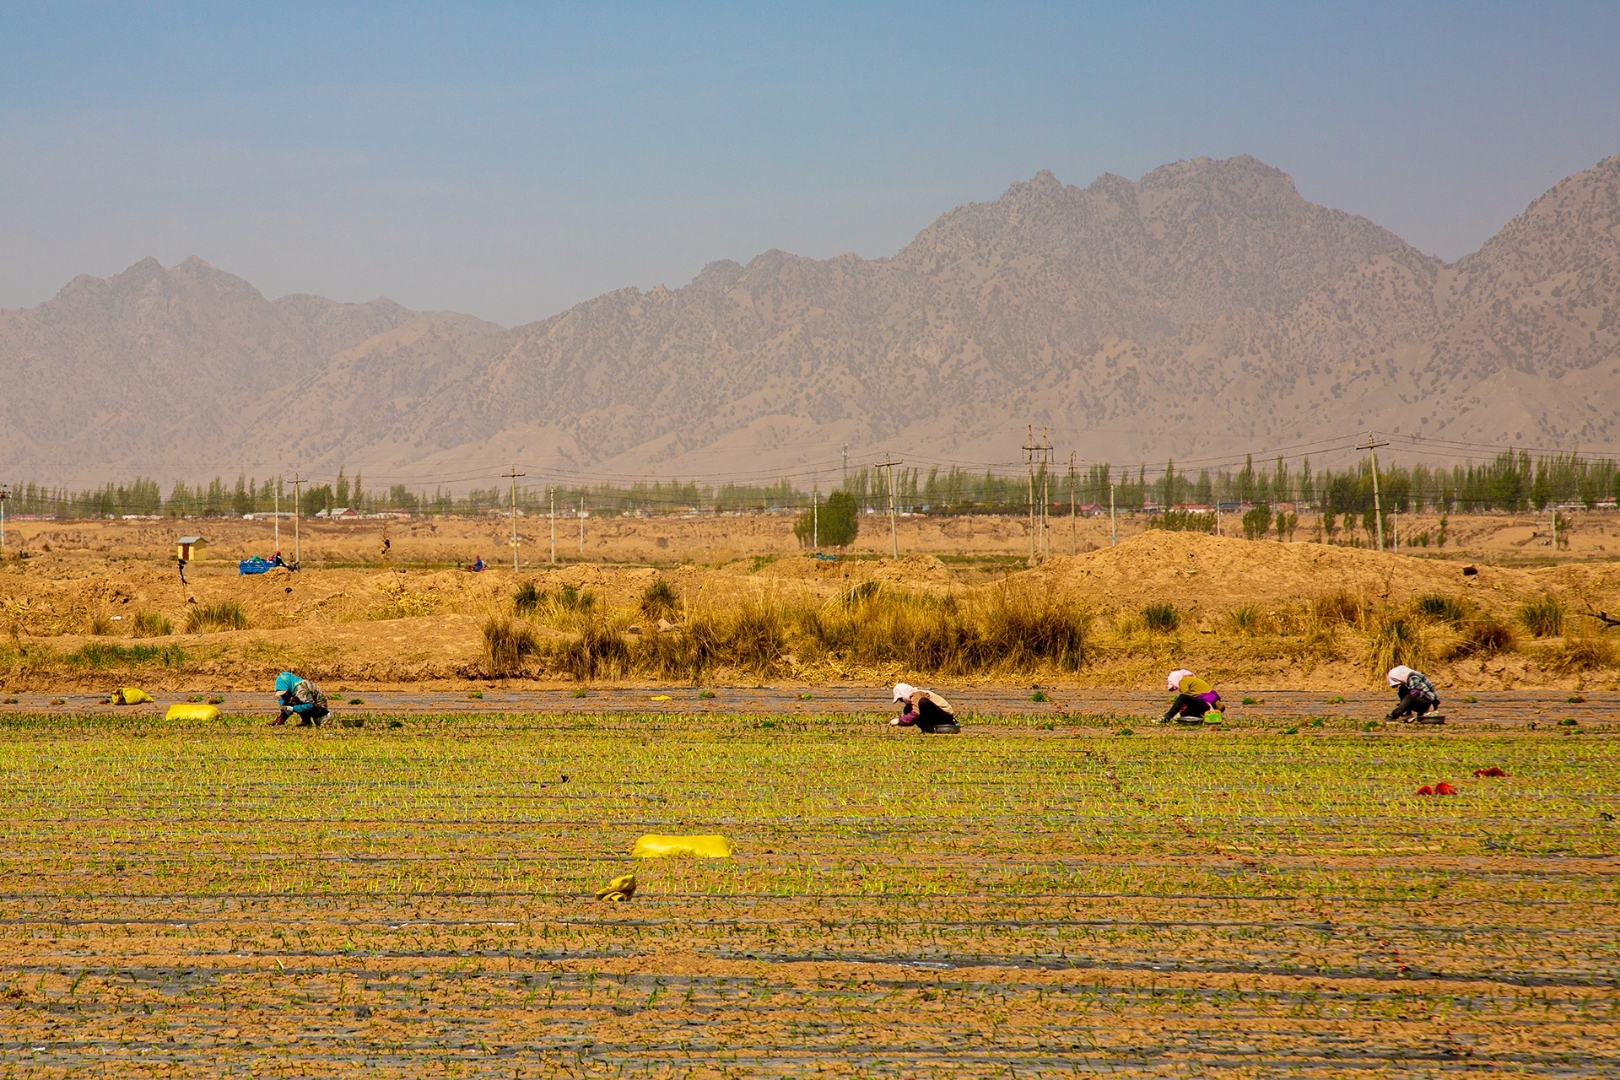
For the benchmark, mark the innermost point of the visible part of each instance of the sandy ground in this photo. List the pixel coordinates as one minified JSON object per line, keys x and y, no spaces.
{"x":357,"y":615}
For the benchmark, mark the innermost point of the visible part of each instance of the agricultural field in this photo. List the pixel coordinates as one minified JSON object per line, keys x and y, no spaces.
{"x":1049,"y":894}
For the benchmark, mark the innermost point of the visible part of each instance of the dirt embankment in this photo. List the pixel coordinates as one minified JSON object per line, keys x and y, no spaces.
{"x":1243,"y":611}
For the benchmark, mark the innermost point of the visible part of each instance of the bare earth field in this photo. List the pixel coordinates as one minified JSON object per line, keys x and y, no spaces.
{"x":1026,"y":899}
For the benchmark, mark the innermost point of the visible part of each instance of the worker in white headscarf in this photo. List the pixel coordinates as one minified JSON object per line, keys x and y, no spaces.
{"x":1416,"y":693}
{"x":924,"y":710}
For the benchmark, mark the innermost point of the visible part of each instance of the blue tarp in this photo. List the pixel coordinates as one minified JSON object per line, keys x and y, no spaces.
{"x":254,"y":565}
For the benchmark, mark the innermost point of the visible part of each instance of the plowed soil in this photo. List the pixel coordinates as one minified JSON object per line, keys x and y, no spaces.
{"x":183,"y":900}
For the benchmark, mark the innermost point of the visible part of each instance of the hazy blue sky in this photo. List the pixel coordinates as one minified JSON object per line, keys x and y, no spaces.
{"x":510,"y":161}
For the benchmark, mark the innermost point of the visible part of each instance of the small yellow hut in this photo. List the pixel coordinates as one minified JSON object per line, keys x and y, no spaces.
{"x":189,"y":548}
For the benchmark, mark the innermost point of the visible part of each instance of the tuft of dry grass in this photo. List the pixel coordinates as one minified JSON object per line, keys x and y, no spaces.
{"x":507,"y":643}
{"x":1342,"y":608}
{"x":225,"y":615}
{"x":1582,"y":652}
{"x":152,"y":624}
{"x":101,"y":624}
{"x":1397,"y":639}
{"x":1245,"y":619}
{"x":1483,"y":635}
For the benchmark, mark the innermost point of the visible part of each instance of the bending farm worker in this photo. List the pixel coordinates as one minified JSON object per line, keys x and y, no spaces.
{"x":1416,"y":693}
{"x":1195,"y":699}
{"x":924,"y":710}
{"x":300,"y":698}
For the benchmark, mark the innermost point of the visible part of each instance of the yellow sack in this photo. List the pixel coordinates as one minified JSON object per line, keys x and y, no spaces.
{"x":704,"y":847}
{"x":1214,"y":716}
{"x":188,"y":711}
{"x":619,"y":889}
{"x":131,"y":695}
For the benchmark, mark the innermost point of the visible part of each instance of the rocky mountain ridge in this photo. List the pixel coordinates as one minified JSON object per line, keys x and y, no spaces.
{"x":1204,"y":310}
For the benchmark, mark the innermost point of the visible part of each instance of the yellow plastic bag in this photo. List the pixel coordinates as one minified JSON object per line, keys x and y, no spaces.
{"x":703,"y":847}
{"x":191,"y":711}
{"x":131,"y":695}
{"x":619,"y":889}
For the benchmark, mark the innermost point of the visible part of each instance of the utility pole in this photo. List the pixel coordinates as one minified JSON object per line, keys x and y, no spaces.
{"x":1113,"y":525}
{"x":5,"y":493}
{"x":1378,"y":511}
{"x":1046,"y":495}
{"x":815,"y":518}
{"x":513,"y":476}
{"x":1040,"y":544}
{"x":1074,"y":524}
{"x":1029,"y":463}
{"x":846,"y":466}
{"x":298,"y":484}
{"x":582,"y":526}
{"x":553,"y":490}
{"x":894,"y":520}
{"x":276,"y":492}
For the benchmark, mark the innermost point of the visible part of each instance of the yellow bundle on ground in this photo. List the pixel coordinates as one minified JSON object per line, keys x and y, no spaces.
{"x":191,"y":711}
{"x":703,"y":847}
{"x":131,"y":695}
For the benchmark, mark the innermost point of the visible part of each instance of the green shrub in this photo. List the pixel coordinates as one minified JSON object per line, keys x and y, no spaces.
{"x":1543,"y":617}
{"x":658,"y":600}
{"x":1161,"y":617}
{"x":835,"y":524}
{"x":1438,"y":608}
{"x":225,"y":615}
{"x":528,"y":598}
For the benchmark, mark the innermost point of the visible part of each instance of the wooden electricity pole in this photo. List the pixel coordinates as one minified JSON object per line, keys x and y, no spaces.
{"x":513,"y":476}
{"x":894,"y":521}
{"x":298,"y":484}
{"x":553,"y":490}
{"x":1040,"y":544}
{"x":1074,"y":525}
{"x":5,"y":493}
{"x":1378,"y":510}
{"x":582,"y":526}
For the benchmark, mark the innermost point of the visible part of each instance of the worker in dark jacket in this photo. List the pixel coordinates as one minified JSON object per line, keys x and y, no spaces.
{"x":924,"y":710}
{"x":1416,"y":693}
{"x":299,"y":698}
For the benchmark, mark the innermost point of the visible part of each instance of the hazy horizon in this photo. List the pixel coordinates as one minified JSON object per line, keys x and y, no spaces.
{"x":509,"y":163}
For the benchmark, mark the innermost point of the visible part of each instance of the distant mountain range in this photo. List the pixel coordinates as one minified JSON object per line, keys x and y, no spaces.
{"x":1206,"y":309}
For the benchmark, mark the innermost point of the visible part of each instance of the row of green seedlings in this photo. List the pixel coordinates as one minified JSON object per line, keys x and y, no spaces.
{"x":1004,"y":629}
{"x":200,"y":619}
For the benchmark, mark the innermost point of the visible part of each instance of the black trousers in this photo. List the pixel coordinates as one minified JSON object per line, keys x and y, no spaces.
{"x":1412,"y":705}
{"x":1187,"y":705}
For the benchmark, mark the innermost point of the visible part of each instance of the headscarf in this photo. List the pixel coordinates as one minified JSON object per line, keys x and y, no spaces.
{"x":1176,"y":676}
{"x":285,"y":682}
{"x":1399,"y":674}
{"x":903,"y":691}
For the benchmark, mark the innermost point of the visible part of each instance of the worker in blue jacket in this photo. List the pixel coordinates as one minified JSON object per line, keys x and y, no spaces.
{"x":299,"y":698}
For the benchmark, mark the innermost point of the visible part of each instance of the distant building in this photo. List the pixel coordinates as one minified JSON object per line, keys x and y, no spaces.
{"x":189,"y":548}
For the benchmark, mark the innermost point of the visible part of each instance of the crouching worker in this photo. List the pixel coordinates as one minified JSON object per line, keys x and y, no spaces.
{"x":1196,"y":701}
{"x":1417,"y":694}
{"x":924,"y":710}
{"x":299,"y":698}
